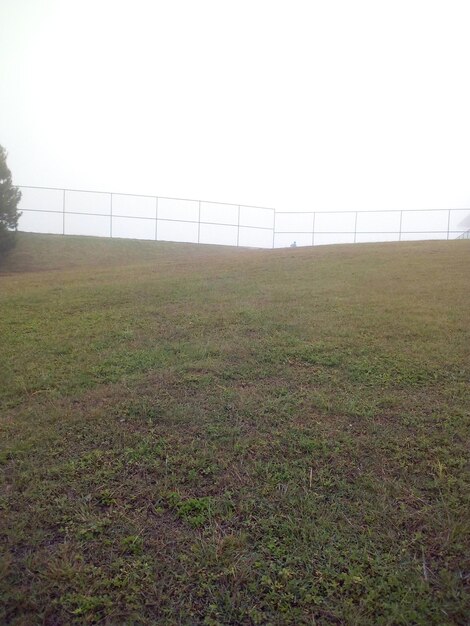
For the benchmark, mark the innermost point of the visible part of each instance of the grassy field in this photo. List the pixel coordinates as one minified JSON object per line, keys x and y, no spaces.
{"x":205,"y":435}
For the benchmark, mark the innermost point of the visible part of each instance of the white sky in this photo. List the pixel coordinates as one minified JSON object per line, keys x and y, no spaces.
{"x":298,"y":105}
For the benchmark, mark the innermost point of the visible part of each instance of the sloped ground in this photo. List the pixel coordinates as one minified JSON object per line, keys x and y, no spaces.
{"x":201,"y":435}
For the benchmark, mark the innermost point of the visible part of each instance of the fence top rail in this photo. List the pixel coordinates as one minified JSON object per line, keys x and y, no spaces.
{"x":368,"y":211}
{"x":366,"y":232}
{"x":141,"y":195}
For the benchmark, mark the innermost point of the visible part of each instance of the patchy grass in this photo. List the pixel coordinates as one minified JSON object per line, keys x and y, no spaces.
{"x":200,"y":435}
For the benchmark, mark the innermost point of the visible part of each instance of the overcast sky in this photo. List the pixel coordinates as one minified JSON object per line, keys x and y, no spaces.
{"x":295,"y":104}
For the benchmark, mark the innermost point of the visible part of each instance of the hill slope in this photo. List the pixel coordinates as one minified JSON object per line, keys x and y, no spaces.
{"x":220,"y":436}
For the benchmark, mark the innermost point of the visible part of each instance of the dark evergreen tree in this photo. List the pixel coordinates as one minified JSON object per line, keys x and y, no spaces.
{"x":9,"y":199}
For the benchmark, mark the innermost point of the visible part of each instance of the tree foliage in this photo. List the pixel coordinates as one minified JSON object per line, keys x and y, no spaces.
{"x":9,"y":199}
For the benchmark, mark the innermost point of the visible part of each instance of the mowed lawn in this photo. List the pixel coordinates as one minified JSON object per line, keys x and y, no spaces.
{"x":206,"y":435}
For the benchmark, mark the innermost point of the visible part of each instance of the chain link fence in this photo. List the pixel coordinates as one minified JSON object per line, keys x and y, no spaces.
{"x":105,"y":214}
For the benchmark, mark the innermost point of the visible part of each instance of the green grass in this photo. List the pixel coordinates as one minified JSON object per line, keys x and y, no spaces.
{"x":205,"y":435}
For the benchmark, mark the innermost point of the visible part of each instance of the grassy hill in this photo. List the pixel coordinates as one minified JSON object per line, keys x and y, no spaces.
{"x":206,"y":435}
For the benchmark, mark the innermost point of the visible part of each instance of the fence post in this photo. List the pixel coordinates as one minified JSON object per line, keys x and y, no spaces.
{"x":313,"y":229}
{"x":355,"y":228}
{"x":274,"y":225}
{"x":156,"y":218}
{"x":238,"y":227}
{"x":448,"y":225}
{"x":63,"y":213}
{"x":111,"y":215}
{"x":399,"y":234}
{"x":199,"y":224}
